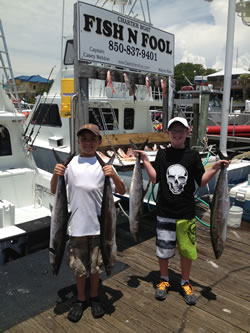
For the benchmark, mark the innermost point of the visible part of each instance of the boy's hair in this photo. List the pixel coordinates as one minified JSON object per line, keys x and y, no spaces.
{"x":92,"y":128}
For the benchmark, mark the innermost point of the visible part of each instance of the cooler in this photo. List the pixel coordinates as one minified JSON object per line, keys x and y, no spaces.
{"x":240,"y":196}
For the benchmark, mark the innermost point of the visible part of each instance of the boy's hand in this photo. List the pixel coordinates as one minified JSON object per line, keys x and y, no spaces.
{"x":217,"y":166}
{"x":144,"y":156}
{"x":59,"y":169}
{"x":108,"y":171}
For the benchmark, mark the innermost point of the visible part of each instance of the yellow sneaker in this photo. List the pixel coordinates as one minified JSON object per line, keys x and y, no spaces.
{"x":162,"y":290}
{"x":187,"y":291}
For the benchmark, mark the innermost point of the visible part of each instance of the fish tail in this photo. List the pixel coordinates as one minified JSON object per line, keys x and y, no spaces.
{"x":221,"y":156}
{"x":100,"y":160}
{"x":140,"y":146}
{"x":60,"y":161}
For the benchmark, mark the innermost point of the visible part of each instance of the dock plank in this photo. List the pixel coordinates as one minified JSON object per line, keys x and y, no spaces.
{"x":221,"y":286}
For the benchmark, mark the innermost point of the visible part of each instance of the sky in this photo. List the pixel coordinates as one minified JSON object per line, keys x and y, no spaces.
{"x":33,"y":31}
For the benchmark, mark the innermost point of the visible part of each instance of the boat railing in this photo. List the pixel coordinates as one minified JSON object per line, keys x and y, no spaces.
{"x":214,"y":118}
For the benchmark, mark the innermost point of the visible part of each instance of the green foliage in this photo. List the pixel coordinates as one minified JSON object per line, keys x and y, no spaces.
{"x":190,"y":70}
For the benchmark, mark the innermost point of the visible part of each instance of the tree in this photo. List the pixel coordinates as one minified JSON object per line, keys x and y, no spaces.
{"x":186,"y":71}
{"x":244,"y":80}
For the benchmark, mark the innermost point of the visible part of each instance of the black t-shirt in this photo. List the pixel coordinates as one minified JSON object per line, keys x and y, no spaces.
{"x":176,"y":172}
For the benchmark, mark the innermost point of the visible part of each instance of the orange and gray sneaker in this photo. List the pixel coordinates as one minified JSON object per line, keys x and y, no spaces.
{"x":187,"y":291}
{"x":162,"y":290}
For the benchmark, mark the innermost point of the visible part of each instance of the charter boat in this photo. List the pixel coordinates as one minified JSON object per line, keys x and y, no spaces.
{"x":123,"y":111}
{"x":24,"y":189}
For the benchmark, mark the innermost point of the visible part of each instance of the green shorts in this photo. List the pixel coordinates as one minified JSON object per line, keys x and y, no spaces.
{"x":170,"y":232}
{"x":186,"y":238}
{"x":84,"y":255}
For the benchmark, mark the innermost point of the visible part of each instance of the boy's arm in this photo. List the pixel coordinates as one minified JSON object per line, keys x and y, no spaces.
{"x":119,"y":183}
{"x":58,"y":171}
{"x":147,"y":165}
{"x":209,"y":174}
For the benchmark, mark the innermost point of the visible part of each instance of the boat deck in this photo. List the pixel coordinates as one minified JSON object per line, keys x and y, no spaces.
{"x":222,"y":288}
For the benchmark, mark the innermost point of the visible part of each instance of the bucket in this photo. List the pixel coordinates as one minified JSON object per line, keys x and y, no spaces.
{"x":234,"y":216}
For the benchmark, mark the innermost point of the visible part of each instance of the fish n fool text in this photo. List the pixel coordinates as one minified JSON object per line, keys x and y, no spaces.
{"x":119,"y":31}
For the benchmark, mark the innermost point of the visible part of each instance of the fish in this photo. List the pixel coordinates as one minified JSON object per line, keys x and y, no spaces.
{"x":110,"y":153}
{"x":59,"y":222}
{"x":130,"y":152}
{"x":136,"y":195}
{"x":163,"y":86}
{"x":148,"y":84}
{"x":219,"y":212}
{"x":109,"y":81}
{"x":103,"y":156}
{"x":107,"y":221}
{"x":121,"y":153}
{"x":130,"y":85}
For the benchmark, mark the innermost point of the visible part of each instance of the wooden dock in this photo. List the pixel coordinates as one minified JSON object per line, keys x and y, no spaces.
{"x":222,"y":287}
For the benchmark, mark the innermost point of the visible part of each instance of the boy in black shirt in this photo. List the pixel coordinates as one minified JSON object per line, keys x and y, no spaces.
{"x":176,"y":169}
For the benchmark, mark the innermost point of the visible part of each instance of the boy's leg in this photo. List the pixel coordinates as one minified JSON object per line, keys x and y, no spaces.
{"x":163,"y":286}
{"x":77,"y":250}
{"x":76,"y":312}
{"x":185,"y":267}
{"x":165,"y":249}
{"x":80,"y":286}
{"x":94,"y":285}
{"x":187,"y":290}
{"x":97,"y":307}
{"x":163,"y":263}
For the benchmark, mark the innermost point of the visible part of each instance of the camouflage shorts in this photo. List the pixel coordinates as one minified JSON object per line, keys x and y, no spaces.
{"x":84,"y":255}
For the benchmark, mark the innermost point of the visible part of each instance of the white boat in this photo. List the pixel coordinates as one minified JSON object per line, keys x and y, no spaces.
{"x":115,"y":112}
{"x":24,"y":189}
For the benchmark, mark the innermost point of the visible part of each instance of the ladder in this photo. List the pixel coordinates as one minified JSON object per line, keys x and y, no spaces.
{"x":7,"y":69}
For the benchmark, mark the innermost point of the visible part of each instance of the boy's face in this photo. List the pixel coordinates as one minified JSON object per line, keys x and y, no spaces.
{"x":177,"y":135}
{"x":88,"y":143}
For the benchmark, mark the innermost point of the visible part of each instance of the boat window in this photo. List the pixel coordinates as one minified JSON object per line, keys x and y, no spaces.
{"x":69,"y":53}
{"x":129,"y":118}
{"x":5,"y":145}
{"x":99,"y":115}
{"x":47,"y":115}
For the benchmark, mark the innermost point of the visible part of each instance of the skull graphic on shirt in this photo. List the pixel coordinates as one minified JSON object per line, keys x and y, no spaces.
{"x":177,"y":176}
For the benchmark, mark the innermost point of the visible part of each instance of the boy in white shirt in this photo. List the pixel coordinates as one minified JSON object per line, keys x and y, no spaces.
{"x":85,"y":179}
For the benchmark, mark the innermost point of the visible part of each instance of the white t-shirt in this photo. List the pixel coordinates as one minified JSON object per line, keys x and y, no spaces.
{"x":85,"y":180}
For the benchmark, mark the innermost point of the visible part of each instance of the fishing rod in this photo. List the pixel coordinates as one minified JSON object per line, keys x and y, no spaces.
{"x":45,"y":115}
{"x":37,"y":104}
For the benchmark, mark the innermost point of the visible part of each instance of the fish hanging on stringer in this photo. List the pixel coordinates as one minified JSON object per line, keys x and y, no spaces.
{"x":164,"y":88}
{"x":147,"y":79}
{"x":130,"y":85}
{"x":109,"y":81}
